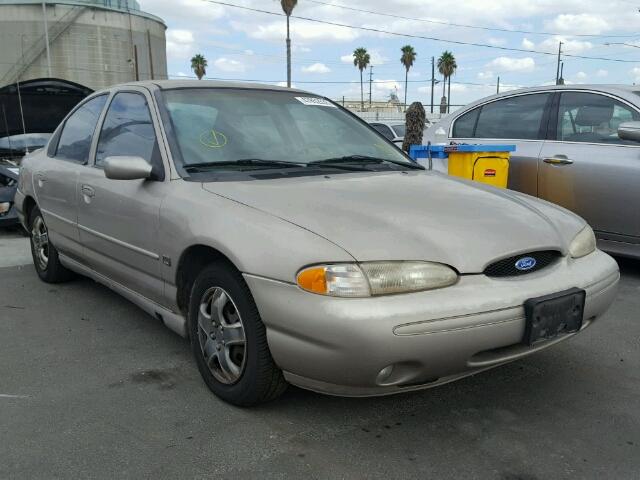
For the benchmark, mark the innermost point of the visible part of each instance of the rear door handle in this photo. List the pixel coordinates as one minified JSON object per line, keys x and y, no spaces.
{"x":558,"y":161}
{"x":88,"y":191}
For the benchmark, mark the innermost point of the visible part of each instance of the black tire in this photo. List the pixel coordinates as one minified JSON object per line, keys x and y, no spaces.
{"x":52,"y":271}
{"x":260,"y":380}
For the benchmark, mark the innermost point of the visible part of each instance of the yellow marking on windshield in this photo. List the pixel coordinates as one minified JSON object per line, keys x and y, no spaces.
{"x":213,"y":139}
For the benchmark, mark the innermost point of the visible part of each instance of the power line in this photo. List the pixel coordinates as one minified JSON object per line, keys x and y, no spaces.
{"x":462,"y":25}
{"x":328,"y":82}
{"x":421,"y":37}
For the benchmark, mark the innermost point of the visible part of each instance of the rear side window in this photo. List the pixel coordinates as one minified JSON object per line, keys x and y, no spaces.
{"x":592,"y":118}
{"x":76,"y":135}
{"x":400,"y":129}
{"x":513,"y":118}
{"x":128,"y":130}
{"x":466,"y":124}
{"x":384,"y":130}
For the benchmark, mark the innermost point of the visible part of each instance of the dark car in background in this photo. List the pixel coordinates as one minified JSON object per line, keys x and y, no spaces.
{"x":29,"y":113}
{"x":8,"y":187}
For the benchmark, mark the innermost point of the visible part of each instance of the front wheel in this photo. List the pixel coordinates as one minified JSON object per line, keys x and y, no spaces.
{"x":229,"y":340}
{"x":45,"y":255}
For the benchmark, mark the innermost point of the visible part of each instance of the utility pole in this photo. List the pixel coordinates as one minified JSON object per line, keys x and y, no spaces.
{"x":558,"y":66}
{"x":433,"y":79}
{"x":46,"y":37}
{"x":498,"y":86}
{"x":561,"y":79}
{"x":370,"y":82}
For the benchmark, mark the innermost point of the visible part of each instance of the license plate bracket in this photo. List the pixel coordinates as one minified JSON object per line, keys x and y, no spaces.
{"x":554,"y":314}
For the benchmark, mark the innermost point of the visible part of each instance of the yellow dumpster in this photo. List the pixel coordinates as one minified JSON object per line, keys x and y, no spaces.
{"x":485,"y":167}
{"x":483,"y":163}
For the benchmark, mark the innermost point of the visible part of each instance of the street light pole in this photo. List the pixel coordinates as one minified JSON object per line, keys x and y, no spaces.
{"x":608,"y":44}
{"x":433,"y":80}
{"x":370,"y":82}
{"x":558,"y":66}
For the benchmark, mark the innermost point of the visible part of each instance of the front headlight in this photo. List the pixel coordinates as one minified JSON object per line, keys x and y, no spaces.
{"x":375,"y":278}
{"x":583,"y":244}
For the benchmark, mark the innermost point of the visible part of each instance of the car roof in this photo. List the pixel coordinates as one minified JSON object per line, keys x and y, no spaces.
{"x":169,"y":84}
{"x":620,"y":90}
{"x":391,"y":123}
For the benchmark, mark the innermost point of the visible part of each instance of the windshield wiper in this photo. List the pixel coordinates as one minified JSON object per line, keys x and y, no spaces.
{"x":244,"y":162}
{"x":362,"y":160}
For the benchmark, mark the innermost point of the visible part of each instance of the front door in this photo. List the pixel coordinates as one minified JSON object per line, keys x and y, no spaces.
{"x":588,"y":169}
{"x":55,"y":181}
{"x":119,"y":219}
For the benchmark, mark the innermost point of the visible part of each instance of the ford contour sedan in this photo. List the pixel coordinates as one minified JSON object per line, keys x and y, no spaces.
{"x":292,"y":243}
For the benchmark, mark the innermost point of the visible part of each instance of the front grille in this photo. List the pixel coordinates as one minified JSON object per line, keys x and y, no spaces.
{"x":507,"y":266}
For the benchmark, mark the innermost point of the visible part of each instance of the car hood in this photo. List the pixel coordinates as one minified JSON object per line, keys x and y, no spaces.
{"x":416,"y":215}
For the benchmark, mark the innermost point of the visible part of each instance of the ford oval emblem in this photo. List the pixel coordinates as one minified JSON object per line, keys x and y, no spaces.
{"x":525,"y":263}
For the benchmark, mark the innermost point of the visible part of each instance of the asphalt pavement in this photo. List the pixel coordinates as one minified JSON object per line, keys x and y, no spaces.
{"x":92,"y":387}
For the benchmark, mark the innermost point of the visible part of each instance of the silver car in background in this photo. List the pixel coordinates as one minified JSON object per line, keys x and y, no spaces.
{"x":393,"y":131}
{"x":576,"y":145}
{"x":292,"y":243}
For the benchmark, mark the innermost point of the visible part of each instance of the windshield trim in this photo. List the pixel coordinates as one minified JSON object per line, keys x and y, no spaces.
{"x":176,"y":153}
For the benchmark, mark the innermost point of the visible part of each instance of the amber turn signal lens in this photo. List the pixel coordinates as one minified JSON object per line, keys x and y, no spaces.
{"x":313,"y":280}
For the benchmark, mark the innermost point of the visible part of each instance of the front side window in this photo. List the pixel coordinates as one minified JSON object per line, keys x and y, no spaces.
{"x":225,"y":125}
{"x":517,"y":118}
{"x":75,"y":140}
{"x":592,"y":118}
{"x":128,"y":130}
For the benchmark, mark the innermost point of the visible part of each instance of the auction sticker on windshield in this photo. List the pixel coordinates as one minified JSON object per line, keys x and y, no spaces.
{"x":318,"y":102}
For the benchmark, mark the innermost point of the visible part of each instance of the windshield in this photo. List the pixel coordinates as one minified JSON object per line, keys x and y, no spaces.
{"x":222,"y":126}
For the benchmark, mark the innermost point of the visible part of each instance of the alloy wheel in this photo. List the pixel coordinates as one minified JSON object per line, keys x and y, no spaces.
{"x":221,"y":335}
{"x":40,"y":241}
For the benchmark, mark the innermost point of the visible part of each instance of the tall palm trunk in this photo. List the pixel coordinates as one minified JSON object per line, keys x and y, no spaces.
{"x":361,"y":92}
{"x":444,"y":85}
{"x":406,"y":82}
{"x":288,"y":55}
{"x":449,"y":95}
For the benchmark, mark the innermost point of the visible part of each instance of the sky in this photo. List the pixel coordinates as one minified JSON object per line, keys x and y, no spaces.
{"x":243,"y":44}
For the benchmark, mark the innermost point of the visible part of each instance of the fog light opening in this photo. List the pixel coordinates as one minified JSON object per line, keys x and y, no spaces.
{"x":384,"y":374}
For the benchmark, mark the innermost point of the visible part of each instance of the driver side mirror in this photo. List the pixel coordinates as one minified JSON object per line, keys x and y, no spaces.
{"x":629,"y":131}
{"x":126,"y":168}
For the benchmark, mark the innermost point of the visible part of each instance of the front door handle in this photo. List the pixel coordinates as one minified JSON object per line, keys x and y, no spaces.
{"x":558,"y":160}
{"x":88,"y":191}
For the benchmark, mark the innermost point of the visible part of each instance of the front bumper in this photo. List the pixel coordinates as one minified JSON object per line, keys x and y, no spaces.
{"x":390,"y":344}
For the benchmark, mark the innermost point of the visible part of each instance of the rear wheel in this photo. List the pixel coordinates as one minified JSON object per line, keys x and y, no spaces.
{"x":229,"y":340}
{"x":45,"y":255}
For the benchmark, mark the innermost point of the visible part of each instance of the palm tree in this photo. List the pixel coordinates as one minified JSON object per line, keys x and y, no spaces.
{"x":407,"y":59}
{"x":287,"y":8}
{"x":199,"y":65}
{"x":447,"y":67}
{"x":361,"y":60}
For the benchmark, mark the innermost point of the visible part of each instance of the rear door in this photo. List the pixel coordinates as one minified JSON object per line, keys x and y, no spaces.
{"x":119,"y":219}
{"x":586,"y":168}
{"x":56,"y":176}
{"x":519,"y":120}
